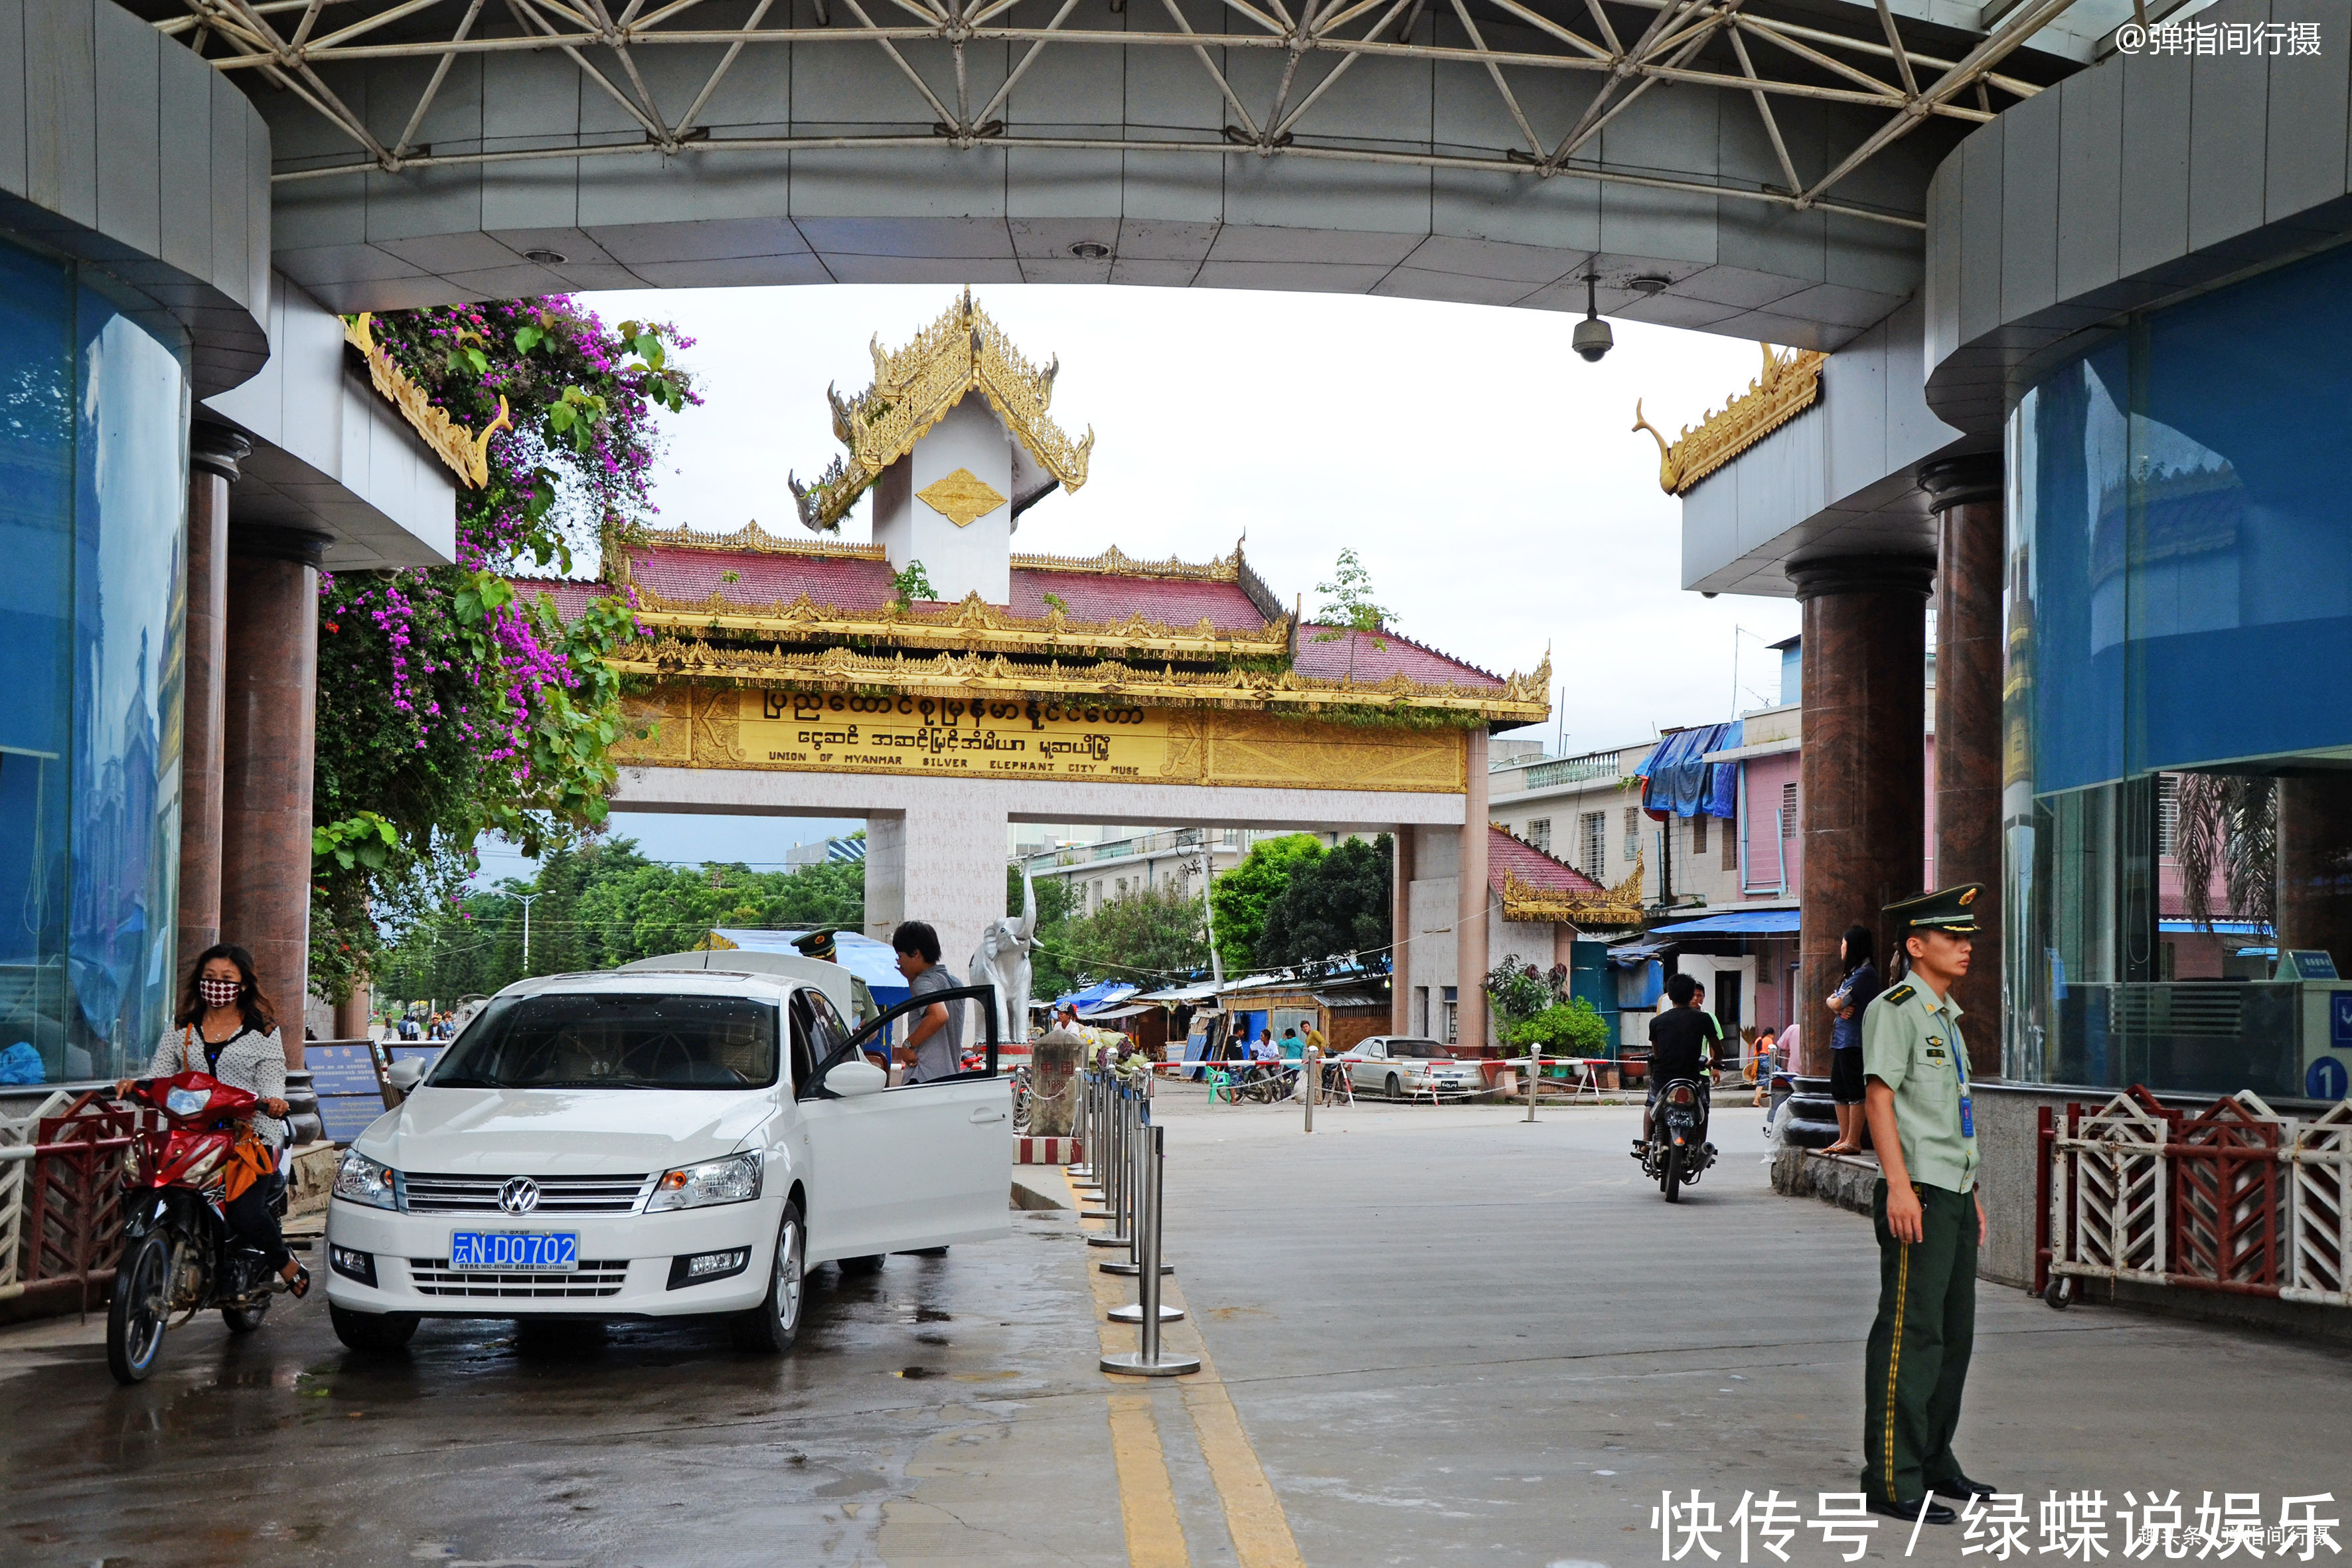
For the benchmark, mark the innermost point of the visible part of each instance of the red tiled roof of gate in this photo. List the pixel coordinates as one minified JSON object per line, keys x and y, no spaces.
{"x":1511,"y":856}
{"x":1372,"y":661}
{"x":763,"y":577}
{"x":1098,"y":599}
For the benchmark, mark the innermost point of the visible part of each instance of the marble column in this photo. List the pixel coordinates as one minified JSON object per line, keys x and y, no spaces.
{"x":1470,"y":909}
{"x":1863,"y":783}
{"x":944,"y":865}
{"x":1400,"y":932}
{"x":351,"y":1012}
{"x":1969,"y":564}
{"x":214,"y":453}
{"x":2314,"y":864}
{"x":270,"y":685}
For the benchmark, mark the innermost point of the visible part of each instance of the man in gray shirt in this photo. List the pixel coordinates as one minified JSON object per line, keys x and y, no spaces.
{"x":933,"y":1049}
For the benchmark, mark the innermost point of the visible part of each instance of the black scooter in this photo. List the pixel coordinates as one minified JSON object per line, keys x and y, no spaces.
{"x":1677,"y":1150}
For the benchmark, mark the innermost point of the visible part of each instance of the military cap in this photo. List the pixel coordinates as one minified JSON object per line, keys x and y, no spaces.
{"x":1946,"y":909}
{"x":817,"y":944}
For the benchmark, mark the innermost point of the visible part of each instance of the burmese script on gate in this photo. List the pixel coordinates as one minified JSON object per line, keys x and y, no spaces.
{"x":932,"y":734}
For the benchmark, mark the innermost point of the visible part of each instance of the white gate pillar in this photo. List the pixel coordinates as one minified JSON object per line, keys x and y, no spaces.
{"x":944,"y":864}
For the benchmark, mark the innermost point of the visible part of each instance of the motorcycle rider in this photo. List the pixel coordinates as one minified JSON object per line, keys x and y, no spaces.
{"x":1684,"y":1043}
{"x":225,"y":1027}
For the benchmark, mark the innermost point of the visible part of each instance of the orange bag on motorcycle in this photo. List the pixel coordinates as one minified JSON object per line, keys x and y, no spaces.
{"x":251,"y":1157}
{"x":248,"y":1162}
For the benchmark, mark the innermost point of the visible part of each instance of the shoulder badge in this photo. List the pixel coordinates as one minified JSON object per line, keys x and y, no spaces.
{"x":1902,"y":993}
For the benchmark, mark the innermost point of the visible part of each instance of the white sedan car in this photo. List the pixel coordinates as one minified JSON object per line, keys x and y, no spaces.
{"x":659,"y":1144}
{"x":1400,"y":1066}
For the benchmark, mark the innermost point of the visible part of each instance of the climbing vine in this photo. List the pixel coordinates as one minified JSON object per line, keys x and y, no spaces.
{"x":450,"y":704}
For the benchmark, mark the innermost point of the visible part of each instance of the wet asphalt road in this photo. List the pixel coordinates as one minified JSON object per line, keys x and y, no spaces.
{"x":1447,"y":1335}
{"x":640,"y":1444}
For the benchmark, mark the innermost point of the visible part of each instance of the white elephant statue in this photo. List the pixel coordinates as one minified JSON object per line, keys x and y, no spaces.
{"x":1002,"y":961}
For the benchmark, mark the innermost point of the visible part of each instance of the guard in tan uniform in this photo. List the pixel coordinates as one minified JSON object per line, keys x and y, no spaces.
{"x":1929,"y":1218}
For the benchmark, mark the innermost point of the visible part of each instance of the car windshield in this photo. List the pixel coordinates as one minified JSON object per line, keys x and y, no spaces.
{"x":611,"y":1040}
{"x":1426,"y":1049}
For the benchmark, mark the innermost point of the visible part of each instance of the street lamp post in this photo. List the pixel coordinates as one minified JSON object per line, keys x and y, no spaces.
{"x":527,"y":899}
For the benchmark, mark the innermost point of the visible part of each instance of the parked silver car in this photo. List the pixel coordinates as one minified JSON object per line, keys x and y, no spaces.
{"x":1404,"y":1066}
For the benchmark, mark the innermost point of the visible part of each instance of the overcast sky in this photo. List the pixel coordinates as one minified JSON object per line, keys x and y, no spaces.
{"x":1489,"y":480}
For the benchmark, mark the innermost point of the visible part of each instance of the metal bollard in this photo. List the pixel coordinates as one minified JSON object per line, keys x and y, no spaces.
{"x":1147,"y":1361}
{"x":1119,"y":1202}
{"x":1310,"y":1081}
{"x":1081,"y":1171}
{"x":1535,"y":1078}
{"x":1131,"y":1137}
{"x":1138,"y":1180}
{"x":1089,"y":1183}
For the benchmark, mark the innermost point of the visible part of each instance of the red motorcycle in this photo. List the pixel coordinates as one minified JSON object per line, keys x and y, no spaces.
{"x":178,"y":1256}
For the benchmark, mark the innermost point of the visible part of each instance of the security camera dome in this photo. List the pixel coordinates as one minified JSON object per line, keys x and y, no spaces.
{"x":1593,"y":340}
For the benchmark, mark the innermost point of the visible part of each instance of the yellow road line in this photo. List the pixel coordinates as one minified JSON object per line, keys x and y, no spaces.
{"x":1146,"y":1497}
{"x":1147,"y":1502}
{"x":1254,"y":1516}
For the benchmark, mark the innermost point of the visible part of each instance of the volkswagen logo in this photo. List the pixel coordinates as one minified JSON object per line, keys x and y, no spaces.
{"x":520,"y":1195}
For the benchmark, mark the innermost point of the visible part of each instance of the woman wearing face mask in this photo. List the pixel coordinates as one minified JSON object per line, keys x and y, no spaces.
{"x":227,"y":1027}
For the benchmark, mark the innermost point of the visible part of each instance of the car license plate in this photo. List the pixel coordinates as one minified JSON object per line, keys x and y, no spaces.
{"x":504,"y":1250}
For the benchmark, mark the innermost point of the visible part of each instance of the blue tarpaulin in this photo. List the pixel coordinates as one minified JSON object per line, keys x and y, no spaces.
{"x":1101,"y":993}
{"x":1678,"y":781}
{"x":1723,"y":778}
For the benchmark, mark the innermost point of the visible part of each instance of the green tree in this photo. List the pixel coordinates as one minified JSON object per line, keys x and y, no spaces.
{"x":1150,"y":937}
{"x":449,"y":706}
{"x":1570,"y":1028}
{"x":603,"y":904}
{"x":1243,"y":896}
{"x":1335,"y":905}
{"x":1349,"y":608}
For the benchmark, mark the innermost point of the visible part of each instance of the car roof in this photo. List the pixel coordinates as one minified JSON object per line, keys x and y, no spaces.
{"x":672,"y":982}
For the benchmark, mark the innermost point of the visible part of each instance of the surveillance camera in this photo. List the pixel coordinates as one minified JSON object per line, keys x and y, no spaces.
{"x":1593,"y":340}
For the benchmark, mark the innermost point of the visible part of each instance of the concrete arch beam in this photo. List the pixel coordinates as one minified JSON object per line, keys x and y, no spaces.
{"x":1399,"y":183}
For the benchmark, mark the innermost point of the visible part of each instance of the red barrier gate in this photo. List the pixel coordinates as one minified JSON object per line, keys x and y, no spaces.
{"x":73,"y":1223}
{"x":2233,"y":1198}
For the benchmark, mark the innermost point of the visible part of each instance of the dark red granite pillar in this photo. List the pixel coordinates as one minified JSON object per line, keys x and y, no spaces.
{"x":1969,"y":553}
{"x":1863,"y":785}
{"x":214,"y":453}
{"x":271,"y":686}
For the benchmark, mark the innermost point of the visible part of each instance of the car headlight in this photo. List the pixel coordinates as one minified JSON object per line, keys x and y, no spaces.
{"x":734,"y":1180}
{"x":360,"y":1180}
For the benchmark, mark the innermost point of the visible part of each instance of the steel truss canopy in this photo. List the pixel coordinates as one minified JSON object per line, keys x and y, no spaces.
{"x":1859,"y":77}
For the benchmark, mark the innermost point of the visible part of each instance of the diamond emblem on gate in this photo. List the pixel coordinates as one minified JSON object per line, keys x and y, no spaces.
{"x":520,"y":1195}
{"x":960,"y":497}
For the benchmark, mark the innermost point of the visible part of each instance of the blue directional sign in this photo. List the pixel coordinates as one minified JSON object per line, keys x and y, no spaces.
{"x":2327,"y":1080}
{"x":2339,"y":1019}
{"x":350,"y":1094}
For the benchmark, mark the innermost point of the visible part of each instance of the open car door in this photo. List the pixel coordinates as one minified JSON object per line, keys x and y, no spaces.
{"x":920,"y":1165}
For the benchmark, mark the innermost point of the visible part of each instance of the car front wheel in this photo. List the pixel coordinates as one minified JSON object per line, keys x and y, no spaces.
{"x":770,"y":1327}
{"x":377,"y":1333}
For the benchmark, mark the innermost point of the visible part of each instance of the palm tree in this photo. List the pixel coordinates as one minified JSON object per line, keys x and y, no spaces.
{"x":2228,"y":823}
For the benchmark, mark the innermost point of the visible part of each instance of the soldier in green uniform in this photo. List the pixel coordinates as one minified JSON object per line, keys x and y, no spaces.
{"x":1929,"y":1219}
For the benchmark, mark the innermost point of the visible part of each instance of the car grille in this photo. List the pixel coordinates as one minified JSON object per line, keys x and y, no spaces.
{"x":433,"y":1277}
{"x":557,"y":1194}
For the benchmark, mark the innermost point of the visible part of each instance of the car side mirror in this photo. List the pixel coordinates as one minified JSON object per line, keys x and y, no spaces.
{"x":405,"y":1073}
{"x":851,"y":1078}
